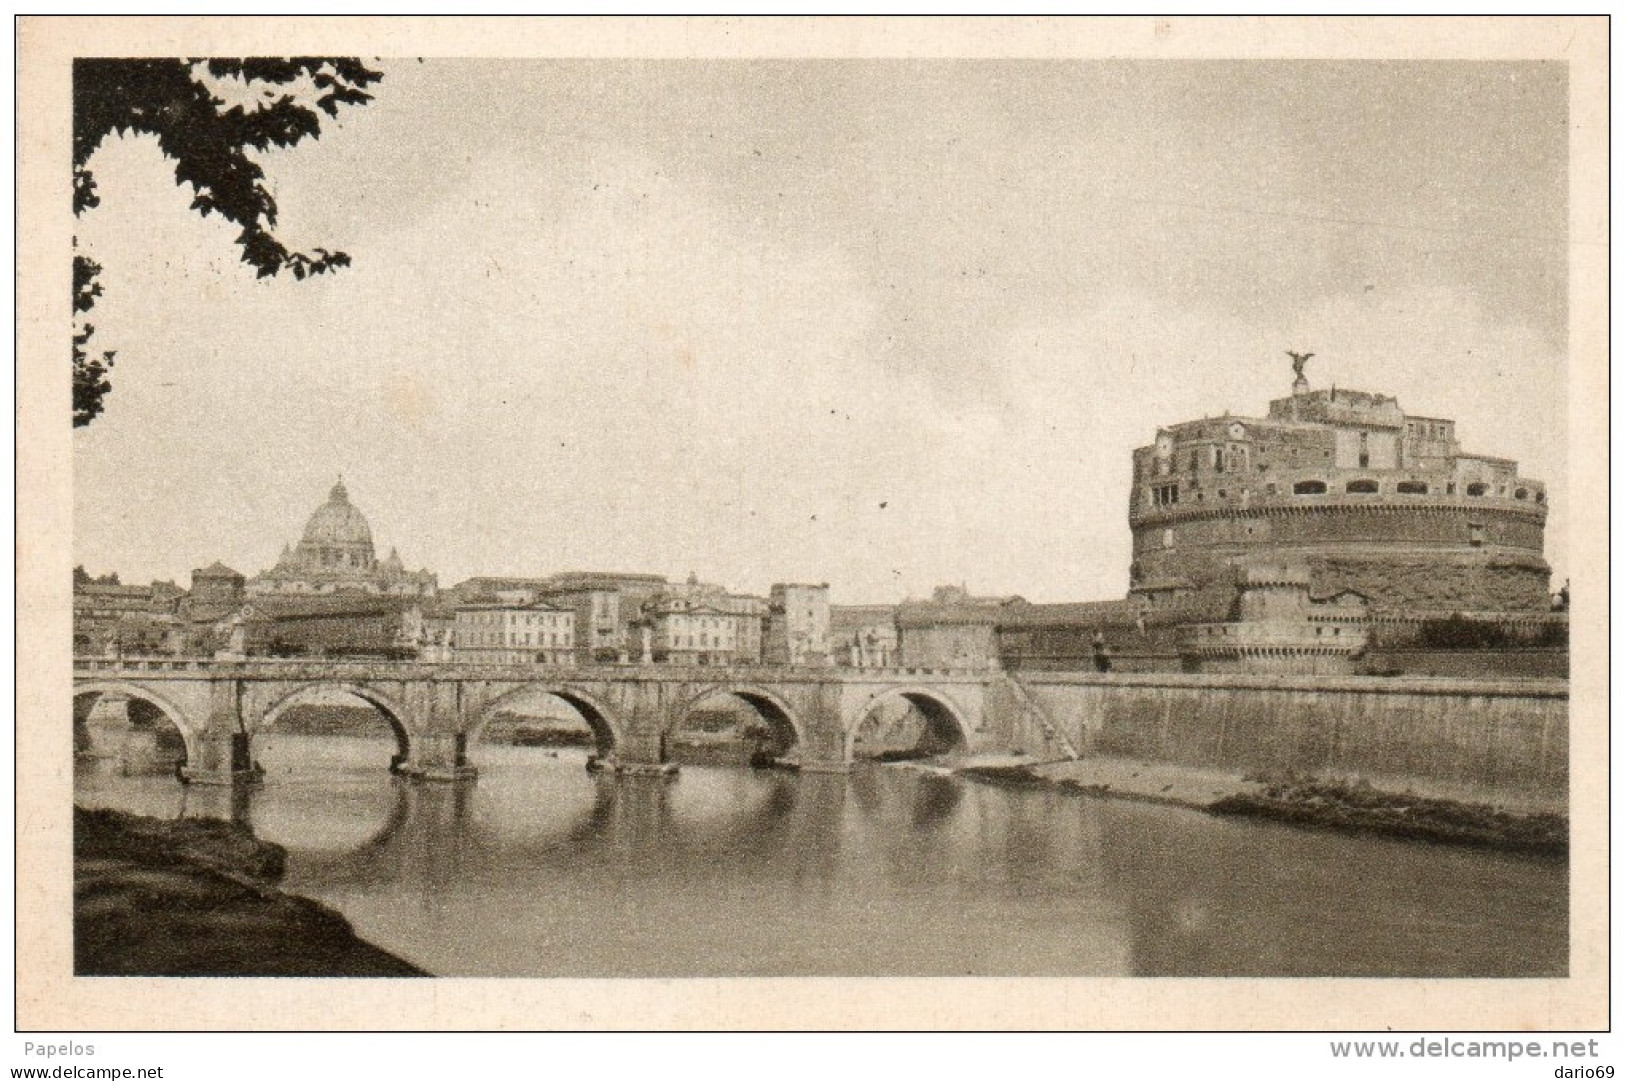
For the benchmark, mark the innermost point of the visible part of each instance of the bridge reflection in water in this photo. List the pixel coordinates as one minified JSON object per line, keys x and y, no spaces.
{"x":543,"y":869}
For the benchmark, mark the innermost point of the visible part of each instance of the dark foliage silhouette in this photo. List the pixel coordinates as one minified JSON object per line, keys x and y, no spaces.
{"x":211,"y":143}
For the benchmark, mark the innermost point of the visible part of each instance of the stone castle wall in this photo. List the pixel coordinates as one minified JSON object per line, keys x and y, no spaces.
{"x":1438,"y":586}
{"x":1442,"y":525}
{"x":1439,"y":558}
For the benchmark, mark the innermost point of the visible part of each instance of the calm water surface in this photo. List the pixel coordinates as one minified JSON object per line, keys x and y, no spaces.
{"x":542,"y":869}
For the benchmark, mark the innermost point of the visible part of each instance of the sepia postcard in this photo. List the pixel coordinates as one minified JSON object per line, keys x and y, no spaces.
{"x":824,"y":523}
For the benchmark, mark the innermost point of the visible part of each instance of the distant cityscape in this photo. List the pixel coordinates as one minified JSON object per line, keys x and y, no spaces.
{"x":1335,"y":534}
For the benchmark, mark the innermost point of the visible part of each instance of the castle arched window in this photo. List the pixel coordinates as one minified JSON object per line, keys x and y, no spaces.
{"x":1309,"y":487}
{"x":1477,"y":489}
{"x":1411,"y":487}
{"x":1362,"y":487}
{"x":1540,"y":497}
{"x":1521,"y":493}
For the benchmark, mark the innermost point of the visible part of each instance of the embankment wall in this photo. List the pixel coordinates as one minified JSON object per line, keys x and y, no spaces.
{"x":1493,"y":740}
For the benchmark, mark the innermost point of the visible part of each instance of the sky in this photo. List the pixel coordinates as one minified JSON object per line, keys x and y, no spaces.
{"x":882,"y":324}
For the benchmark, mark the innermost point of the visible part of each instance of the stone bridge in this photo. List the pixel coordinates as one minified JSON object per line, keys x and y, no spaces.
{"x":439,"y":710}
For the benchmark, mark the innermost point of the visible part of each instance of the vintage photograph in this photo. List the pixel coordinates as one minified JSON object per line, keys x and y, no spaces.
{"x":613,"y":517}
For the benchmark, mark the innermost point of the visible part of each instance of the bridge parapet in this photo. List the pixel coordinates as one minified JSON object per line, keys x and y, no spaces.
{"x":301,"y":667}
{"x":142,"y":664}
{"x":898,"y":674}
{"x":1318,"y":684}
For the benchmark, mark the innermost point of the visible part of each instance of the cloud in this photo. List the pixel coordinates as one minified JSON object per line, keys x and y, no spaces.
{"x":1052,"y":461}
{"x":714,"y":316}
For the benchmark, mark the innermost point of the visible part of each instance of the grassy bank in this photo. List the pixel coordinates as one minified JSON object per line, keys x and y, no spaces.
{"x":198,"y":897}
{"x":1364,"y":810}
{"x":1350,"y":808}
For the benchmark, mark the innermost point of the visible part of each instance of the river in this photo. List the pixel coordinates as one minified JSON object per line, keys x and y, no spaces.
{"x":543,"y":869}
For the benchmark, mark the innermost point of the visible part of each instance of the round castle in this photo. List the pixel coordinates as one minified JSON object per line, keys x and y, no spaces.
{"x":1344,"y":484}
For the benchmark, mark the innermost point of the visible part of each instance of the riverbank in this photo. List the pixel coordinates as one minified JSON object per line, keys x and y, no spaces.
{"x":198,"y":897}
{"x":1316,"y":803}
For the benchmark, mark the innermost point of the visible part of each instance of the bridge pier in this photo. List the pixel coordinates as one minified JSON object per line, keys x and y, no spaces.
{"x":641,"y":749}
{"x":221,"y":758}
{"x":439,"y":757}
{"x":222,"y":752}
{"x":643,"y":769}
{"x":821,"y":767}
{"x":822,"y":747}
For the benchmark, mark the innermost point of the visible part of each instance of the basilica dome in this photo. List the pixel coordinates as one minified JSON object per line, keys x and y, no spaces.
{"x":336,"y":555}
{"x":337,"y":523}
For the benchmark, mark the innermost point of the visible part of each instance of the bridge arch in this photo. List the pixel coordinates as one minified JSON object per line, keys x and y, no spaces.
{"x":607,"y":730}
{"x":783,"y":721}
{"x":175,"y":714}
{"x":390,"y":710}
{"x":946,"y":729}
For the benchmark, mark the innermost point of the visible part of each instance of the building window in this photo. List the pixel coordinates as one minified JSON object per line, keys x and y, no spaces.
{"x":1309,"y":487}
{"x":1411,"y":487}
{"x":1363,"y":487}
{"x":1477,"y":489}
{"x":1475,"y":534}
{"x":1521,"y":493}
